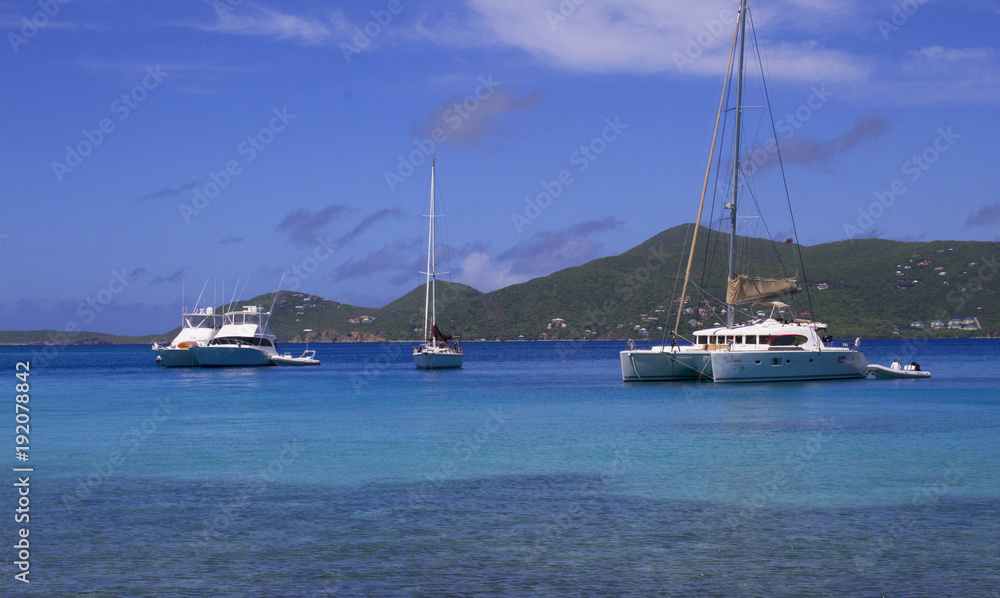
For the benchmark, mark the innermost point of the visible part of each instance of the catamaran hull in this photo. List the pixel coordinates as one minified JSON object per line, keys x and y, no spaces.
{"x":437,"y":361}
{"x":222,"y":357}
{"x":654,"y":365}
{"x":176,"y":358}
{"x":785,"y":366}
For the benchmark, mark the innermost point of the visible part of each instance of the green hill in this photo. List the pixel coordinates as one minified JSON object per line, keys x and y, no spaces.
{"x":870,"y":287}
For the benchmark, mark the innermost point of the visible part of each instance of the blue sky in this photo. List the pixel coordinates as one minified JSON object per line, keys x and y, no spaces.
{"x":154,"y":145}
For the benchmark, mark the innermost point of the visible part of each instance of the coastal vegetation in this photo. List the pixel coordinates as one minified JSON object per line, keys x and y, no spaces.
{"x":872,"y":288}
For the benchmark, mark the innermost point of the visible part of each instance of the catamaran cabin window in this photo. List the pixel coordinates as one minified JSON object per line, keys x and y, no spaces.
{"x":739,"y":340}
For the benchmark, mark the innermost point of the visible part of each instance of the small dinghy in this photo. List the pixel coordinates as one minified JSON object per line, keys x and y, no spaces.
{"x":898,"y":370}
{"x":308,"y":357}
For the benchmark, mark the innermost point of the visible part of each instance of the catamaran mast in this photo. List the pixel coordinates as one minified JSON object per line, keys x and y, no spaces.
{"x":731,"y":308}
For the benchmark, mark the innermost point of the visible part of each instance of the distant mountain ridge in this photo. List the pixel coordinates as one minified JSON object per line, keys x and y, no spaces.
{"x":870,"y":287}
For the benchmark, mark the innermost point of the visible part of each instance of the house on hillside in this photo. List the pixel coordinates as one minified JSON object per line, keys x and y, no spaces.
{"x":954,"y":324}
{"x":916,"y":324}
{"x":822,"y":286}
{"x":937,"y":325}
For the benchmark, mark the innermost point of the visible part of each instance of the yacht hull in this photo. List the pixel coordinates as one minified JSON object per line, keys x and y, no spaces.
{"x":176,"y":358}
{"x":433,"y":360}
{"x":664,"y":364}
{"x":784,"y":366}
{"x":231,"y":356}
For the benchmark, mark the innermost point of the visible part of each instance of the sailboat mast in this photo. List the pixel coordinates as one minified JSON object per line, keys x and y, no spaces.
{"x":430,"y":245}
{"x":433,"y":256}
{"x":730,"y":308}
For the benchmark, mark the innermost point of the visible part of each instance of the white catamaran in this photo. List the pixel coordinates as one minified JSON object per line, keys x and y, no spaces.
{"x":776,"y":347}
{"x":438,"y":350}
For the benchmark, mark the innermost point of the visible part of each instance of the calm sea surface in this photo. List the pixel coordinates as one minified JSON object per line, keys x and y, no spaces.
{"x":532,"y":471}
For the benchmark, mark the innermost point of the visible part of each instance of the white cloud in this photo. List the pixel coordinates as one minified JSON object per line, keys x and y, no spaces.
{"x":478,"y":272}
{"x":687,"y":36}
{"x":940,"y":74}
{"x":933,"y":60}
{"x":261,"y":21}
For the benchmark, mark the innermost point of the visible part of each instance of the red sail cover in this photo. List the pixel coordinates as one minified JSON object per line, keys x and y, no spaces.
{"x":440,"y":335}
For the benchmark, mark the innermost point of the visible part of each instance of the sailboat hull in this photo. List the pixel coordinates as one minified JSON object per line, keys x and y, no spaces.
{"x":665,"y":364}
{"x":784,"y":366}
{"x":437,"y":360}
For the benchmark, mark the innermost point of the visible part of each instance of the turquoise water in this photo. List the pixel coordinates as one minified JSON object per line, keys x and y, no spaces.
{"x":532,"y":471}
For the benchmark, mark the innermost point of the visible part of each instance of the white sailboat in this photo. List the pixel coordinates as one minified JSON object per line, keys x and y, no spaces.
{"x":778,"y":347}
{"x":438,"y":350}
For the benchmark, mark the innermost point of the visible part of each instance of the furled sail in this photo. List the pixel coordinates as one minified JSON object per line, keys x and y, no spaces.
{"x":440,"y":336}
{"x":751,"y":288}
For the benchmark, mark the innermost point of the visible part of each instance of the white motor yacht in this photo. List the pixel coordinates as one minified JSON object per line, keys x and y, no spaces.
{"x":245,"y":339}
{"x":197,"y":329}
